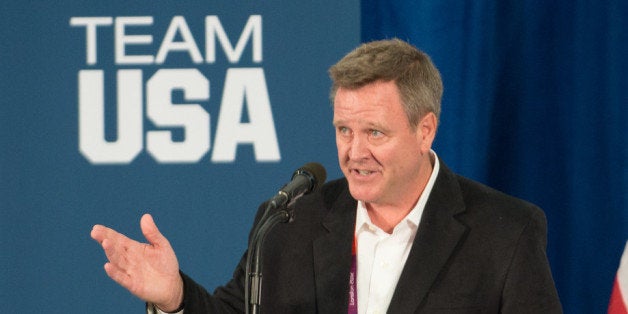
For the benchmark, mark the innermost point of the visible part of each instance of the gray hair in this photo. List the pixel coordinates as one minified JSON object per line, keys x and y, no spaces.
{"x":418,"y":80}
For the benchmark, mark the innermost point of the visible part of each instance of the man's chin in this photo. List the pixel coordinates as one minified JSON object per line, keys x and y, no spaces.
{"x":363,"y":196}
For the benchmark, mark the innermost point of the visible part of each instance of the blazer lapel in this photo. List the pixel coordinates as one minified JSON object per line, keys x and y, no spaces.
{"x":437,"y":237}
{"x":332,"y":256}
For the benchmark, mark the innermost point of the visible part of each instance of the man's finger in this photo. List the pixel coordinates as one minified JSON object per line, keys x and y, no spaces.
{"x":120,"y":253}
{"x":151,"y":232}
{"x":99,"y":233}
{"x":118,"y":275}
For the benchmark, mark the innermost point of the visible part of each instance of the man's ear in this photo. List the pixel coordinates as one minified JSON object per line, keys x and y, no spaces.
{"x":426,"y":130}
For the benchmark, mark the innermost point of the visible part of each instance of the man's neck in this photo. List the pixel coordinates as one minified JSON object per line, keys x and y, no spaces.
{"x":388,"y":216}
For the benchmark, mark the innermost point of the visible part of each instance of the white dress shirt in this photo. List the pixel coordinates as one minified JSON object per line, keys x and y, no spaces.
{"x":381,"y":256}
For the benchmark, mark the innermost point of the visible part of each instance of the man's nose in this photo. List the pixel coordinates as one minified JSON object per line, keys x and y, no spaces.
{"x":359,"y":148}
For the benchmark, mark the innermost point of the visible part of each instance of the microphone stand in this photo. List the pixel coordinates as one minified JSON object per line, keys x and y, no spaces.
{"x":253,"y":278}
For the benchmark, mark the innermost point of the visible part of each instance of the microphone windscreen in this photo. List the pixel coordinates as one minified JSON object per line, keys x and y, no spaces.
{"x":317,"y":171}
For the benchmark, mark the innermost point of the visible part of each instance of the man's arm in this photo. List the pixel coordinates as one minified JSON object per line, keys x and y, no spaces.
{"x":150,"y":270}
{"x":529,"y":286}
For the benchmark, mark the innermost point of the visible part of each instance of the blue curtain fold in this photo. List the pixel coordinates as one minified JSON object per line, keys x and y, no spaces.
{"x":536,"y":105}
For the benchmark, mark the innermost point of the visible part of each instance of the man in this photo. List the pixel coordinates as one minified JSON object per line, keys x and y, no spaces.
{"x":417,"y":237}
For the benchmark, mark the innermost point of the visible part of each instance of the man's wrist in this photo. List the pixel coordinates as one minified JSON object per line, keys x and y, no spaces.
{"x":176,"y":304}
{"x":166,"y":309}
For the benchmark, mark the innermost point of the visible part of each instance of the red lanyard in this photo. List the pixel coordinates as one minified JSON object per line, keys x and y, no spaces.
{"x":353,"y":287}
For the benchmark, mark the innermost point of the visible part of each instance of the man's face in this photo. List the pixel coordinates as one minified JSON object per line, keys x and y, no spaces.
{"x":381,"y":155}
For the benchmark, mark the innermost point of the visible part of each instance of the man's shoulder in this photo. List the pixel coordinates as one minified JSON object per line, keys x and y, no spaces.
{"x":333,"y":190}
{"x":496,"y":211}
{"x":334,"y":186}
{"x":477,"y":194}
{"x":327,"y":196}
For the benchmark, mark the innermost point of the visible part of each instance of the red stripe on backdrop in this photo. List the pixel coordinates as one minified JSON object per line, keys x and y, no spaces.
{"x":616,"y":305}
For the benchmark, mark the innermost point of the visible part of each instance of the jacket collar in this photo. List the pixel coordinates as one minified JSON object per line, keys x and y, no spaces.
{"x":437,"y":238}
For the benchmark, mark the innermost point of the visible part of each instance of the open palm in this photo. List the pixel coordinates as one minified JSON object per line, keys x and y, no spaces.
{"x":150,"y":270}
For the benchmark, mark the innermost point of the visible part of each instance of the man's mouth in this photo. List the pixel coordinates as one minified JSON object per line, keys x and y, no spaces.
{"x":362,"y":172}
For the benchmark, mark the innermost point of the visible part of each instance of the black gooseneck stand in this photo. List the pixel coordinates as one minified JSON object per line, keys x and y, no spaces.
{"x":253,"y":279}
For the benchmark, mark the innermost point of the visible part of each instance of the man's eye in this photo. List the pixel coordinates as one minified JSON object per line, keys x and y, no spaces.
{"x":376,"y":133}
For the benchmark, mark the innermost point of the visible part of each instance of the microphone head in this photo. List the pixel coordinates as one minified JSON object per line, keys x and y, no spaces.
{"x":315,"y":172}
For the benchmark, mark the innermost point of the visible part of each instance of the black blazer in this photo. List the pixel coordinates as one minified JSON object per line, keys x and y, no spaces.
{"x":476,"y":251}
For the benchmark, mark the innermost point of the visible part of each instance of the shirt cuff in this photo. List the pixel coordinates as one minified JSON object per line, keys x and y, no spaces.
{"x":152,"y":309}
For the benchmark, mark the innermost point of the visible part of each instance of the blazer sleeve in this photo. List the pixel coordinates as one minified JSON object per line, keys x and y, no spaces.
{"x":225,"y":299}
{"x":529,"y":286}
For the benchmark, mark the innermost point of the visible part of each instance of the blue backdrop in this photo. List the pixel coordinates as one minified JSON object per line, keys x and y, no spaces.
{"x":535,"y":104}
{"x":51,"y":193}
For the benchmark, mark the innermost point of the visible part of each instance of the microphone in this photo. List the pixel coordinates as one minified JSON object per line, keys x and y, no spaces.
{"x":304,"y":180}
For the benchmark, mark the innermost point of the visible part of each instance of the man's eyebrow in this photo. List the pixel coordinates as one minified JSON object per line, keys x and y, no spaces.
{"x":337,"y":122}
{"x":377,"y":126}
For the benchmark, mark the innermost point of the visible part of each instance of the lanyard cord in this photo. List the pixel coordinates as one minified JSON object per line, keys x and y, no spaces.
{"x":353,"y":287}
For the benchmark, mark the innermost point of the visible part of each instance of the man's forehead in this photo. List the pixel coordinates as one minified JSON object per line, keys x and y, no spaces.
{"x":368,"y":122}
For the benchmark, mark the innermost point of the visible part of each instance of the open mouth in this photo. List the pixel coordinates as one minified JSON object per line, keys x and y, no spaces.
{"x":361,"y":172}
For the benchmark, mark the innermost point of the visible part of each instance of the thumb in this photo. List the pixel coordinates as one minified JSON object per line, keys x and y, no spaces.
{"x":151,"y":232}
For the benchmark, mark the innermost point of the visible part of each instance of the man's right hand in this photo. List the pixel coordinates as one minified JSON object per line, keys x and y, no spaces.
{"x":150,"y":270}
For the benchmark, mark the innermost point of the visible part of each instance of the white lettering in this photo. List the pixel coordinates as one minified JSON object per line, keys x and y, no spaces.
{"x":92,"y":143}
{"x":91,"y":23}
{"x":252,"y":29}
{"x":173,"y":96}
{"x":122,"y":40}
{"x":178,"y":25}
{"x":193,"y":118}
{"x":245,"y":86}
{"x":214,"y":31}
